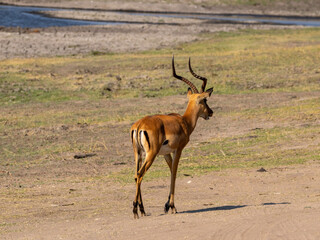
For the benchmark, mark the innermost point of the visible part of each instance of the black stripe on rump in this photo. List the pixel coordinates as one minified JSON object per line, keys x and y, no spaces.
{"x":147,"y":137}
{"x":132,"y":136}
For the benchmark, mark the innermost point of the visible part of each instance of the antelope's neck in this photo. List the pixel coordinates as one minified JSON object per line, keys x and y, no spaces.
{"x":191,"y":117}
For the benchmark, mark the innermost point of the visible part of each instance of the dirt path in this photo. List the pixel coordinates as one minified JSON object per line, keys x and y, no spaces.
{"x":282,"y":203}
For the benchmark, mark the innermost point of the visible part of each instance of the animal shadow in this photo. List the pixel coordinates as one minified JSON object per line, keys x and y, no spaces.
{"x":227,"y":207}
{"x":231,"y":207}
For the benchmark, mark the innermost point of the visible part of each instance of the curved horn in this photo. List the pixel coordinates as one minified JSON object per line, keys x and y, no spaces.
{"x":193,"y":87}
{"x":204,"y":84}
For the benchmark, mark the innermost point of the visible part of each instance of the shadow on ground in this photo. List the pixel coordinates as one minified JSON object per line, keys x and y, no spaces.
{"x":230,"y":207}
{"x":227,"y":207}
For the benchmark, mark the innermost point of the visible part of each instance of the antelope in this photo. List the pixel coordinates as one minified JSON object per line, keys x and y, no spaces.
{"x":165,"y":134}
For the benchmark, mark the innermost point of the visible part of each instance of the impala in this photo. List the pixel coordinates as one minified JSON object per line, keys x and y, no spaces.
{"x":166,"y":134}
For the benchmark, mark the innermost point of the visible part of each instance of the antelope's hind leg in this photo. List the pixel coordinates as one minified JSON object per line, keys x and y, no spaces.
{"x":143,"y":213}
{"x":139,"y":176}
{"x":138,"y":200}
{"x":135,"y":206}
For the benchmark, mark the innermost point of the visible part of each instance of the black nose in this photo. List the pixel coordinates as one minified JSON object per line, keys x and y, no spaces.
{"x":210,"y":112}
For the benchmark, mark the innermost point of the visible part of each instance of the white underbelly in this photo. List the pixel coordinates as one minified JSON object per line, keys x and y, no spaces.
{"x":165,"y":149}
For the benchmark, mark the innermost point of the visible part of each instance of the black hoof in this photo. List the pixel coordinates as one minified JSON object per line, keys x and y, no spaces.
{"x":173,"y":210}
{"x":143,"y":213}
{"x":135,"y":210}
{"x":166,"y":207}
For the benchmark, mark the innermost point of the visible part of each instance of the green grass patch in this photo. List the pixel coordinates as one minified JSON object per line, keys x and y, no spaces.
{"x":294,"y":111}
{"x":238,"y":62}
{"x":260,"y":148}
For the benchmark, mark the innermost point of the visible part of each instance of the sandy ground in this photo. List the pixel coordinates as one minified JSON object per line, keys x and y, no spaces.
{"x":282,"y":203}
{"x":107,"y":39}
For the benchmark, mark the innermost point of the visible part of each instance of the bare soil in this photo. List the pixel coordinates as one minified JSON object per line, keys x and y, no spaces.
{"x":282,"y":203}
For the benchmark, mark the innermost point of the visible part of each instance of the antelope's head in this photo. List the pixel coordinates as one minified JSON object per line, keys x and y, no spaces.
{"x":197,"y":100}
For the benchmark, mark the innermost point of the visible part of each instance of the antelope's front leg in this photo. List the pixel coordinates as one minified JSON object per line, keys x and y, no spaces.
{"x":170,"y":202}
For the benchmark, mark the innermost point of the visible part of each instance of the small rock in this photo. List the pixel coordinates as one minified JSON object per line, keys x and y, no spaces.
{"x":63,"y":127}
{"x":85,"y":155}
{"x":261,"y":170}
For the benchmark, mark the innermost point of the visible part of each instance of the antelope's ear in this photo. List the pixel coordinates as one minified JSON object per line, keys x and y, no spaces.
{"x":205,"y":94}
{"x":209,"y":91}
{"x":202,"y":96}
{"x":189,"y":92}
